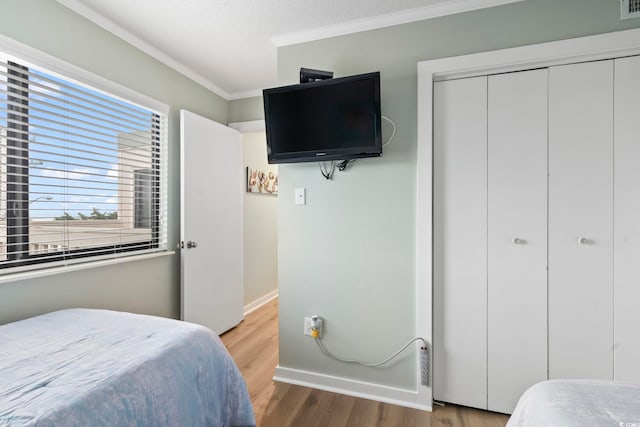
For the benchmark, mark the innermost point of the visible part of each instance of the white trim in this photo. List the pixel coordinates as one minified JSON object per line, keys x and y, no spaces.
{"x":588,"y":48}
{"x":252,"y":93}
{"x":248,"y":126}
{"x":72,"y":72}
{"x":81,"y":9}
{"x":350,"y":387}
{"x":386,"y":20}
{"x":253,"y":306}
{"x":50,"y":271}
{"x":418,"y":14}
{"x":424,"y":239}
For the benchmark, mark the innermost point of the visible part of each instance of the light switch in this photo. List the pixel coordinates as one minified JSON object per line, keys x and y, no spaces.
{"x":301,"y":196}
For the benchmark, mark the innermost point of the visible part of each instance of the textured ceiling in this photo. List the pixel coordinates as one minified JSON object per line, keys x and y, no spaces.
{"x":229,"y":46}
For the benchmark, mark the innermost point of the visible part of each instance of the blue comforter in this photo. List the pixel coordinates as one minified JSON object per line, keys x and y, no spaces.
{"x":84,"y":367}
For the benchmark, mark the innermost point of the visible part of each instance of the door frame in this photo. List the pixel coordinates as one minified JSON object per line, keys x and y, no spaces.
{"x":589,"y":48}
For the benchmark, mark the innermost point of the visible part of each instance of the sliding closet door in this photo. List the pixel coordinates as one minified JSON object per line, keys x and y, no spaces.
{"x":517,"y":233}
{"x":627,"y":219}
{"x":581,"y":220}
{"x":460,"y":241}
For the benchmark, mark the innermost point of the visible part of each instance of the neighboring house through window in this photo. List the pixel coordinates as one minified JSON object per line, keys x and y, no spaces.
{"x":143,"y":212}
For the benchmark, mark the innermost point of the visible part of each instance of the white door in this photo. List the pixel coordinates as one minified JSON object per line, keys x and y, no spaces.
{"x":211,"y":226}
{"x":460,"y":242}
{"x":627,"y":218}
{"x":517,"y":236}
{"x":581,"y":220}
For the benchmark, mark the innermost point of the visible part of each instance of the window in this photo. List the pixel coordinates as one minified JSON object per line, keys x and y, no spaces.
{"x":82,"y":173}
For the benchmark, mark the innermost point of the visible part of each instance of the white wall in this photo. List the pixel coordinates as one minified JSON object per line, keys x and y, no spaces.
{"x":260,"y":226}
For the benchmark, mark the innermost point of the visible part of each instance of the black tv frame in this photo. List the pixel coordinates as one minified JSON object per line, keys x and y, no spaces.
{"x":341,"y":153}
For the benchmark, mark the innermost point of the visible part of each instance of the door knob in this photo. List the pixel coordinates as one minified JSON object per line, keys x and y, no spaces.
{"x":583,"y":240}
{"x":191,"y":244}
{"x":518,"y":241}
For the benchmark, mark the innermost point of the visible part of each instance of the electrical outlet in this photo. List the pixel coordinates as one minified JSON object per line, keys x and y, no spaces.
{"x":313,"y":322}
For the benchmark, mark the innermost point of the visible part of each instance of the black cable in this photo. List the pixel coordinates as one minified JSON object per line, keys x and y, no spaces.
{"x":343,"y":164}
{"x":328,"y":174}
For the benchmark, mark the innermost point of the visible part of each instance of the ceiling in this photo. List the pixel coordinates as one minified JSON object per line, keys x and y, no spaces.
{"x":230,"y":46}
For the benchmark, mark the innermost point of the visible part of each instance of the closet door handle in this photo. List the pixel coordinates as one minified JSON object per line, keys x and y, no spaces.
{"x":583,"y":241}
{"x":518,"y":241}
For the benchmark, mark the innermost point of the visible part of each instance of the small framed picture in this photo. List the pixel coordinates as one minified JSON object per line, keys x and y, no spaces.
{"x":262,"y":182}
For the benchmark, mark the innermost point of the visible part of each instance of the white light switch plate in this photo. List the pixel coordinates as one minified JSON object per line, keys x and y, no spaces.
{"x":300,"y":196}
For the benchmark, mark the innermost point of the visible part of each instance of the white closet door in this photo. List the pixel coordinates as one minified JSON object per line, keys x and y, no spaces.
{"x":460,"y":242}
{"x":581,"y":220}
{"x":627,"y":219}
{"x":517,"y":233}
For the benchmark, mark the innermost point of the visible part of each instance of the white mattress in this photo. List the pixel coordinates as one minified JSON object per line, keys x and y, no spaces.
{"x":578,"y":403}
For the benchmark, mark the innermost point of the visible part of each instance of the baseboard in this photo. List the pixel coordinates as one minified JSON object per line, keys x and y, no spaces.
{"x":392,"y":395}
{"x":260,"y":302}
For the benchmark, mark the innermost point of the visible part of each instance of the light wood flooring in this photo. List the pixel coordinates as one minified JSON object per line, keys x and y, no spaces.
{"x":254,"y":346}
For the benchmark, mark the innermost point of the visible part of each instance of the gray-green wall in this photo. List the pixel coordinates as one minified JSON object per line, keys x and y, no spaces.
{"x":246,"y":109}
{"x":349,"y":254}
{"x":150,"y":286}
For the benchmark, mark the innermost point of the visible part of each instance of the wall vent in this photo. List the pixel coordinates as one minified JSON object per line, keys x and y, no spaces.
{"x":629,"y":9}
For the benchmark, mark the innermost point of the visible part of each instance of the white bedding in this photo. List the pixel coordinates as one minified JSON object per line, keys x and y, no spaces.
{"x":578,"y":403}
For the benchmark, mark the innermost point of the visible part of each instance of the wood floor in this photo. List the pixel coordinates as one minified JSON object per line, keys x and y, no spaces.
{"x":254,"y":346}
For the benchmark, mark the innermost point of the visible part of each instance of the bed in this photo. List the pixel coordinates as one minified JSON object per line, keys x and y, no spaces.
{"x":83,"y":367}
{"x":578,"y":403}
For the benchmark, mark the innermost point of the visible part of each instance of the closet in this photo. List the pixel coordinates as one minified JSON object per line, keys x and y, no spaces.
{"x":517,"y":233}
{"x":581,"y":220}
{"x":627,"y":219}
{"x":526,"y":195}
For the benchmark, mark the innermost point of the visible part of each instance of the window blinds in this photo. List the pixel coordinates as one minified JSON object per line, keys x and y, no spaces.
{"x":82,"y":173}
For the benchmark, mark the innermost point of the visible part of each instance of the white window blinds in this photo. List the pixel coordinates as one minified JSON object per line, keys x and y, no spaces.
{"x":82,"y":173}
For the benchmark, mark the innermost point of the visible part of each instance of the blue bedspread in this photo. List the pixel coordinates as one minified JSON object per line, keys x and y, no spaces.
{"x":84,"y":367}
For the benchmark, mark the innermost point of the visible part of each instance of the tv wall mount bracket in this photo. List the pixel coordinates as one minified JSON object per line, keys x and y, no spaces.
{"x":307,"y":75}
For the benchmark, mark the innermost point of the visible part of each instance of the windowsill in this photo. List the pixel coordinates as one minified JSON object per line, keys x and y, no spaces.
{"x":33,"y":274}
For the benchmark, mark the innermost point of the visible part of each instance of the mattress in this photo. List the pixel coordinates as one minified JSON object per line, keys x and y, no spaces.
{"x":578,"y":403}
{"x":83,"y":367}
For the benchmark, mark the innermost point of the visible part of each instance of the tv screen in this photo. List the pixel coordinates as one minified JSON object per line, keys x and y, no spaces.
{"x":333,"y":119}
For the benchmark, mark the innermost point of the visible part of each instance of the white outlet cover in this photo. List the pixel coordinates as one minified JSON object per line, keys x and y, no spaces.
{"x":307,"y":326}
{"x":300,"y":196}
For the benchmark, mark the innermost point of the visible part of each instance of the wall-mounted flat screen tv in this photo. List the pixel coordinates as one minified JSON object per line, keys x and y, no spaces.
{"x":333,"y":119}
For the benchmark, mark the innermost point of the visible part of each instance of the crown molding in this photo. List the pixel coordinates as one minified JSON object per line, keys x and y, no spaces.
{"x":110,"y":26}
{"x":447,"y":8}
{"x":397,"y":18}
{"x":249,"y":126}
{"x":245,"y":94}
